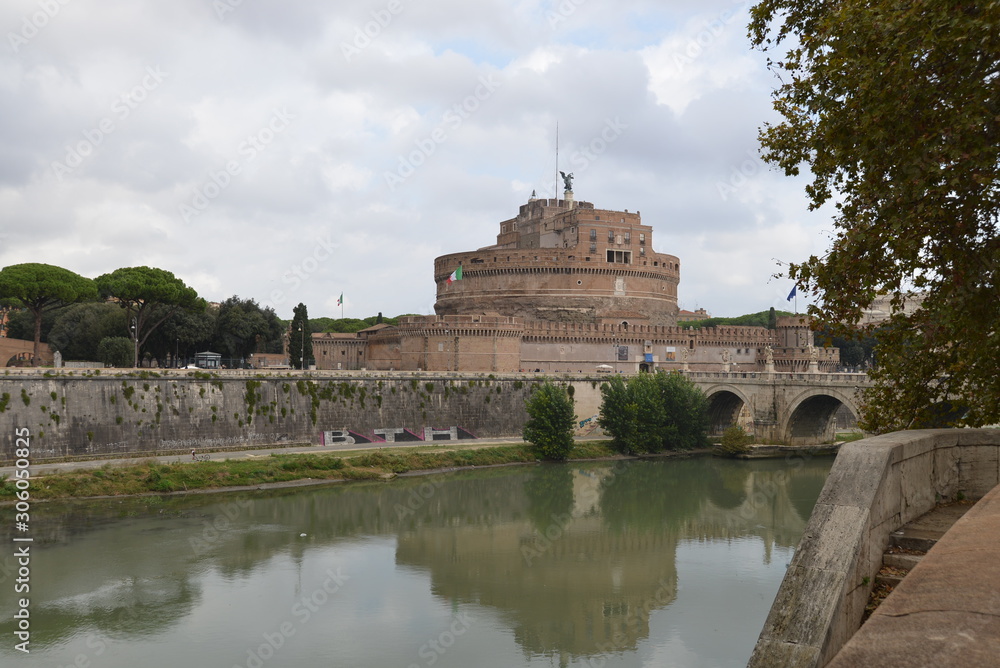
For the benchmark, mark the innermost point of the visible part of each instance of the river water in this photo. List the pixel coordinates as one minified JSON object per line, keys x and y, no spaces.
{"x":639,"y":563}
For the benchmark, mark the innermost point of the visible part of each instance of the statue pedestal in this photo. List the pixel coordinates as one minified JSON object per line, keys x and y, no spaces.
{"x":769,"y":367}
{"x":568,"y":197}
{"x":814,"y":366}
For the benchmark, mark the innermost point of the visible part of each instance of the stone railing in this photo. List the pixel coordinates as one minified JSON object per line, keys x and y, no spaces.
{"x":875,"y":487}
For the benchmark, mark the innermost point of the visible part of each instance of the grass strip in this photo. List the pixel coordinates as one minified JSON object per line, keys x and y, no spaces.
{"x":152,"y":476}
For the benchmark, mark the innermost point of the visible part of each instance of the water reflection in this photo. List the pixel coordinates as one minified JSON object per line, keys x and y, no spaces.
{"x":572,"y":561}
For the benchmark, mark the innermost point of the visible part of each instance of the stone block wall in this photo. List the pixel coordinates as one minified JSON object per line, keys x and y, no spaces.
{"x":102,"y":415}
{"x":875,"y":486}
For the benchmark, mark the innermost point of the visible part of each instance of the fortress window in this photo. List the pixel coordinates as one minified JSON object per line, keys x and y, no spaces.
{"x":593,"y":235}
{"x":597,"y":217}
{"x":620,"y":257}
{"x":642,"y":239}
{"x":642,"y":251}
{"x":593,"y":249}
{"x":628,"y":237}
{"x":611,"y":236}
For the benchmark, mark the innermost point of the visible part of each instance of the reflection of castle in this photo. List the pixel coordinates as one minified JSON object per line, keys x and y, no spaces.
{"x":566,"y":287}
{"x":567,"y":585}
{"x":575,"y":587}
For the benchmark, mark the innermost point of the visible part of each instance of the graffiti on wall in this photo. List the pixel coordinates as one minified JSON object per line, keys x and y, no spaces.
{"x":394,"y":435}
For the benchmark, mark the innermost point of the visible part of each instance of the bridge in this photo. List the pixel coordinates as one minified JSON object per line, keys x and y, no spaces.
{"x":790,"y":408}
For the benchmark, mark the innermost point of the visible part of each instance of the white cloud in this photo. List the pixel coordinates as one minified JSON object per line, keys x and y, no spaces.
{"x":689,"y":127}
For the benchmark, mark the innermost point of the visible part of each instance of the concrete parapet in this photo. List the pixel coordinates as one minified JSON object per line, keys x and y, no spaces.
{"x":876,"y":486}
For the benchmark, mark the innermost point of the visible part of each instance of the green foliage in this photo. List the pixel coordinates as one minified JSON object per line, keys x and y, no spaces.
{"x":115,"y":351}
{"x":300,"y":334}
{"x":243,"y":327}
{"x":4,"y":401}
{"x":551,"y":419}
{"x":351,"y":325}
{"x":759,"y":319}
{"x":654,"y":412}
{"x":148,"y":295}
{"x":893,"y":108}
{"x":78,"y":329}
{"x":735,"y":441}
{"x":40,"y":288}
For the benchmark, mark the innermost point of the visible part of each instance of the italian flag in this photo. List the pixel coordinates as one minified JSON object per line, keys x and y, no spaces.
{"x":340,"y":299}
{"x":456,"y":275}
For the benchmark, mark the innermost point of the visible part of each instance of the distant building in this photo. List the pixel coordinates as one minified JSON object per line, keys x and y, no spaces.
{"x":692,"y":316}
{"x":881,"y":308}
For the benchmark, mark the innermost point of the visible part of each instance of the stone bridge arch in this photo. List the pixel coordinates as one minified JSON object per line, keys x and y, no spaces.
{"x":725,"y":403}
{"x":808,"y":418}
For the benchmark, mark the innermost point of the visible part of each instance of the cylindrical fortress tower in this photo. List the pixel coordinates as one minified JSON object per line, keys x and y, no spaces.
{"x":564,"y":261}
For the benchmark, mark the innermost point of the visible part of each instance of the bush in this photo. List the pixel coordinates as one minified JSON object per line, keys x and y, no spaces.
{"x":117,"y":351}
{"x":735,"y":441}
{"x":654,"y":412}
{"x":551,"y":420}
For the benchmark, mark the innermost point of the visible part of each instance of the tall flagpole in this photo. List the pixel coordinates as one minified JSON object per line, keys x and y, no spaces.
{"x":557,"y":163}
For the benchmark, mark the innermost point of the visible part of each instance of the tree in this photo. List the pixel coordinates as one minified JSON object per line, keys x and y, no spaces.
{"x":299,"y":334}
{"x":115,"y":351}
{"x":772,"y":319}
{"x":244,"y":328}
{"x":654,"y":412}
{"x":78,"y":329}
{"x":43,"y":287}
{"x":894,"y":107}
{"x":551,"y":420}
{"x":149,"y":296}
{"x":183,"y":334}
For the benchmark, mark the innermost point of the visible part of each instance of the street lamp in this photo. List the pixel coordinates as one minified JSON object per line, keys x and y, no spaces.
{"x":135,"y":346}
{"x":302,"y":350}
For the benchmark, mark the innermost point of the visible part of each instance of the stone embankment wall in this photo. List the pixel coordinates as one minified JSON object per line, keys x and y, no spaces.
{"x":114,"y":415}
{"x":875,"y":487}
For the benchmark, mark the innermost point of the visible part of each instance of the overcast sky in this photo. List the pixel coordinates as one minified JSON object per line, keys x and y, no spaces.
{"x":294,"y":151}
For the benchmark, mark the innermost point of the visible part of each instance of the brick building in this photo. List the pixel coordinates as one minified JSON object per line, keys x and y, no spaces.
{"x":572,"y":288}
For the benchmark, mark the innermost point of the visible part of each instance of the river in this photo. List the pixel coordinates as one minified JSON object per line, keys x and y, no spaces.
{"x":638,"y":563}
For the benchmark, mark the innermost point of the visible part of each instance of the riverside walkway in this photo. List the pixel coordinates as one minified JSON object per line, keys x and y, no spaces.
{"x":946,"y":611}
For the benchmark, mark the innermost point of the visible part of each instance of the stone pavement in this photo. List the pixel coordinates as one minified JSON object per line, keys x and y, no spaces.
{"x":946,"y":611}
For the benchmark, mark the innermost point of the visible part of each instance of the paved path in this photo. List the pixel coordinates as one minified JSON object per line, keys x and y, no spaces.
{"x":946,"y":611}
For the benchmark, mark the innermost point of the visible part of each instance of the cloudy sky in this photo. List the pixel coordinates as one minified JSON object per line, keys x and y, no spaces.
{"x":291,"y":152}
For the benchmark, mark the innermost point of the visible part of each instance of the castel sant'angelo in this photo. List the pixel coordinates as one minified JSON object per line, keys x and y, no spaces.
{"x":567,"y":287}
